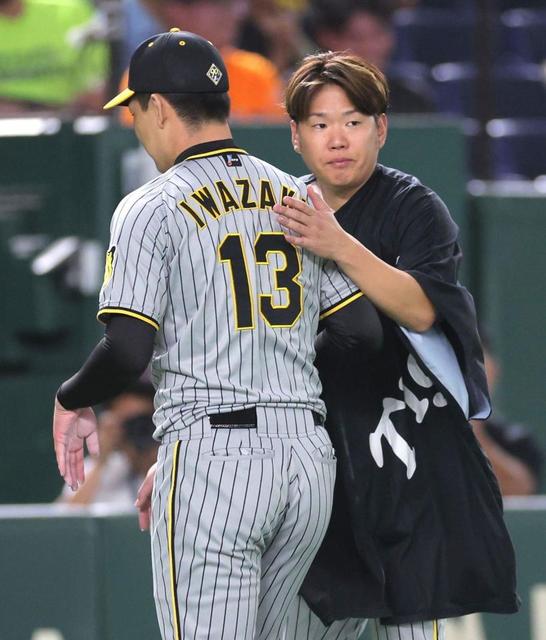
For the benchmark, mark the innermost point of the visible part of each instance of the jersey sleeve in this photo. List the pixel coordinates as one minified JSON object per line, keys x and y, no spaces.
{"x":428,"y":239}
{"x":336,"y":290}
{"x":428,"y":250}
{"x":135,"y":277}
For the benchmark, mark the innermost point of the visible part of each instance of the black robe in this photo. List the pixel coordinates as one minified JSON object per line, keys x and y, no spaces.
{"x":418,"y":533}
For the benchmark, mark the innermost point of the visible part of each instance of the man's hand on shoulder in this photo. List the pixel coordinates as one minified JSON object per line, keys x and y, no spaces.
{"x":313,"y":227}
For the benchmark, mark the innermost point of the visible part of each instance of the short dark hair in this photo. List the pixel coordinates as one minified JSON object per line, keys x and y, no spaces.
{"x":365,"y":85}
{"x":194,"y":108}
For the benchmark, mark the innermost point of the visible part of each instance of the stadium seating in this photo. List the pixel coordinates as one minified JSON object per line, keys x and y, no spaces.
{"x":518,"y":90}
{"x":518,"y":147}
{"x":524,"y":34}
{"x":505,"y":5}
{"x":453,"y":5}
{"x":434,"y":36}
{"x":413,"y":71}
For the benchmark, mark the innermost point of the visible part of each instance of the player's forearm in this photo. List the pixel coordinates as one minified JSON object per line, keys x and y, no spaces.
{"x":119,"y":359}
{"x":393,"y":291}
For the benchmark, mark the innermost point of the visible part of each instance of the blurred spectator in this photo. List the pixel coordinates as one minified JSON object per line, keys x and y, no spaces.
{"x":255,"y":86}
{"x":272,"y":28}
{"x":513,"y":451}
{"x":47,"y":58}
{"x":127,"y":450}
{"x":366,"y":29}
{"x":139,"y":23}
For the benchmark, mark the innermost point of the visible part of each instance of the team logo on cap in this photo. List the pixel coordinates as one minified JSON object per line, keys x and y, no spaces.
{"x":214,"y":74}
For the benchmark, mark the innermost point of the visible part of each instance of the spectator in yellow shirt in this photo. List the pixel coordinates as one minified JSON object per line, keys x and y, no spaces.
{"x":45,"y":61}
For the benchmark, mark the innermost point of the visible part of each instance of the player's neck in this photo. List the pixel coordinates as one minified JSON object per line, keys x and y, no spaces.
{"x":205,"y":133}
{"x":336,"y":196}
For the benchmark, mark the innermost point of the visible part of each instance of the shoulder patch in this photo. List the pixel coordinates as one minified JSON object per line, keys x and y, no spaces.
{"x":109,"y":266}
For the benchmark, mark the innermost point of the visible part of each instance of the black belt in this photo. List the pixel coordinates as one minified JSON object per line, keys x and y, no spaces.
{"x":246,"y":418}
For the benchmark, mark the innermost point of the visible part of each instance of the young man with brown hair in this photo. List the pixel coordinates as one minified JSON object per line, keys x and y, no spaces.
{"x":417,"y":533}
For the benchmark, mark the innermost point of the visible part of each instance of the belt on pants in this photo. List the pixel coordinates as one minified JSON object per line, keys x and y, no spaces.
{"x":246,"y":418}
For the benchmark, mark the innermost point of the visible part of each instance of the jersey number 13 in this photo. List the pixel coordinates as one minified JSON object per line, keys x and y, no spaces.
{"x":231,"y":251}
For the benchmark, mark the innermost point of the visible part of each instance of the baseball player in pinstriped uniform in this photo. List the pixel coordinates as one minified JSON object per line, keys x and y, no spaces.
{"x":199,"y":274}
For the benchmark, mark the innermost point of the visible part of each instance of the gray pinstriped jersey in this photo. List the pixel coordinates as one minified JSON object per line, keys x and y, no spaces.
{"x":198,"y":254}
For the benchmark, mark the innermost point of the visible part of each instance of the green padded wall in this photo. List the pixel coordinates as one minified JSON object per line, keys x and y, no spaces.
{"x":49,"y":566}
{"x":88,"y":575}
{"x":28,"y":471}
{"x":63,"y":182}
{"x":510,"y":232}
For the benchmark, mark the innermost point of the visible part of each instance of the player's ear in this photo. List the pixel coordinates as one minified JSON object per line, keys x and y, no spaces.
{"x":295,"y":136}
{"x":157,"y":104}
{"x":382,"y":127}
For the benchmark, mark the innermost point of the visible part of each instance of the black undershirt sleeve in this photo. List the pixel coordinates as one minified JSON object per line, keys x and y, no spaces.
{"x":355,"y":325}
{"x":118,"y":360}
{"x":127,"y":346}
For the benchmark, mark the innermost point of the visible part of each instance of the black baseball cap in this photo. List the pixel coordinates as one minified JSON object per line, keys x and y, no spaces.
{"x":174,"y":62}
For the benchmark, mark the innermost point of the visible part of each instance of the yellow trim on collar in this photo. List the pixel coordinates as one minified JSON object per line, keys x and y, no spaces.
{"x":216,"y":152}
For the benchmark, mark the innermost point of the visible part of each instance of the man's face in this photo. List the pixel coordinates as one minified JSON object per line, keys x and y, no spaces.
{"x":365,"y":35}
{"x":339,"y":144}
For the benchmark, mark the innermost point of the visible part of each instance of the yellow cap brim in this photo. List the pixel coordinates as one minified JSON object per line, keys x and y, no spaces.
{"x":120,"y":100}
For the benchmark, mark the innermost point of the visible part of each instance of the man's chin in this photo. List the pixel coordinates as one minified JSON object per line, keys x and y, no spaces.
{"x":341,"y":180}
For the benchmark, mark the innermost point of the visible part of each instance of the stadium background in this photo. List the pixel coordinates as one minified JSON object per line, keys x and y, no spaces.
{"x":86,"y":573}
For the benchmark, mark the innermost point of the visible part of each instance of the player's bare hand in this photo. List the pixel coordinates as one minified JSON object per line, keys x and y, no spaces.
{"x":313,"y":227}
{"x":71,"y":429}
{"x":144,"y":499}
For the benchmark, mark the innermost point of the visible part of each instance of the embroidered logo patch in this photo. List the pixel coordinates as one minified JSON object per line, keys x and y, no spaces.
{"x":232,"y":160}
{"x":214,"y":74}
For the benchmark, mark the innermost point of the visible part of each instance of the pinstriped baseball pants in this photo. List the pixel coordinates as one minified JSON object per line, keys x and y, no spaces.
{"x":303,"y":624}
{"x":237,"y":518}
